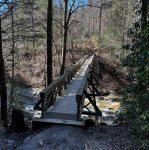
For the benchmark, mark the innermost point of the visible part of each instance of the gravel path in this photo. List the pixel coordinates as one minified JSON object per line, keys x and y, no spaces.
{"x":101,"y":137}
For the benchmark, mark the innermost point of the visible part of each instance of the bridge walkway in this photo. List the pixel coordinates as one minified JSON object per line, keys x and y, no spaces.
{"x":65,"y":108}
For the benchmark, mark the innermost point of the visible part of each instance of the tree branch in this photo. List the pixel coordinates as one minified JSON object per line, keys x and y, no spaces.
{"x":58,"y":22}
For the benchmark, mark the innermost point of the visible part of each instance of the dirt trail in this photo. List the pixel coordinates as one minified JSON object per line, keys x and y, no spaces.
{"x":59,"y":137}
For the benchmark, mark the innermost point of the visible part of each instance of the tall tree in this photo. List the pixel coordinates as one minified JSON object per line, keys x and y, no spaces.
{"x":12,"y":51}
{"x":3,"y":90}
{"x":100,"y":19}
{"x":144,"y":14}
{"x":65,"y":30}
{"x":49,"y":42}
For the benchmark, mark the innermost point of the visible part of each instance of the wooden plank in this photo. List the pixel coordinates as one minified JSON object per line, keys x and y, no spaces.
{"x":59,"y":121}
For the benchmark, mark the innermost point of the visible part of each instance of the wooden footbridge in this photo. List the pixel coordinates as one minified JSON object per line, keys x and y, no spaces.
{"x":62,"y":102}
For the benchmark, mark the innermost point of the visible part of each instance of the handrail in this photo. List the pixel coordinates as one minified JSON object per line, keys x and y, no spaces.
{"x":49,"y":88}
{"x":80,"y":93}
{"x":49,"y":94}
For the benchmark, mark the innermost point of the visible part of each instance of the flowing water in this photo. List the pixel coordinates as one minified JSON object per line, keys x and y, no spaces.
{"x":109,"y":105}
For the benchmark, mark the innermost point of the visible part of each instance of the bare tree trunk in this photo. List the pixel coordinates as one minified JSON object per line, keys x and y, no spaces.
{"x":56,"y":53}
{"x":3,"y":89}
{"x":65,"y":32}
{"x":89,"y":23}
{"x":144,"y":14}
{"x":93,"y":26}
{"x":124,"y":22}
{"x":128,"y":39}
{"x":32,"y":16}
{"x":49,"y":42}
{"x":33,"y":38}
{"x":82,"y":25}
{"x":71,"y":42}
{"x":100,"y":19}
{"x":12,"y":52}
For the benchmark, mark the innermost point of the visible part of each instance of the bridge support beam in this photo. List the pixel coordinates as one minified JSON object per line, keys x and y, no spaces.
{"x":91,"y":91}
{"x":92,"y":101}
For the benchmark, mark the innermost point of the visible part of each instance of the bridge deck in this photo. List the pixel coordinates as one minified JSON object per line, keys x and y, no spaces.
{"x":65,"y":107}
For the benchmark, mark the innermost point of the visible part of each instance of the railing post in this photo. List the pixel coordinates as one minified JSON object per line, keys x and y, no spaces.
{"x":42,"y":97}
{"x":60,"y":90}
{"x":79,"y":102}
{"x":65,"y":80}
